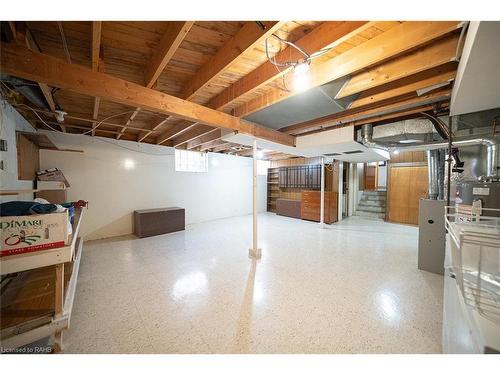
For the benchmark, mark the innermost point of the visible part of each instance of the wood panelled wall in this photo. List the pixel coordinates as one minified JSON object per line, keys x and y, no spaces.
{"x":407,"y":184}
{"x":274,"y":192}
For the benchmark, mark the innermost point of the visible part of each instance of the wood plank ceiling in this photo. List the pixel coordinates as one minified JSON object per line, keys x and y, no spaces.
{"x":223,"y":66}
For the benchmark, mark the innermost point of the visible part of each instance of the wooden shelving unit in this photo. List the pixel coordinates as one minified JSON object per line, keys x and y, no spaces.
{"x":37,"y":292}
{"x":272,"y":189}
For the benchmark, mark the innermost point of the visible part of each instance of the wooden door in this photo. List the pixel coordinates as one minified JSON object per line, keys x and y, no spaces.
{"x":406,"y":186}
{"x":418,"y":190}
{"x":370,"y":183}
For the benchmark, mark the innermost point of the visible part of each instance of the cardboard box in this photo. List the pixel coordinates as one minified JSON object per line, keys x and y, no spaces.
{"x":26,"y":234}
{"x":50,"y":185}
{"x":53,"y":174}
{"x":53,"y":196}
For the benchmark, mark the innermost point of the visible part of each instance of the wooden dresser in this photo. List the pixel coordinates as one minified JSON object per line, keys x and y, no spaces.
{"x":310,"y":208}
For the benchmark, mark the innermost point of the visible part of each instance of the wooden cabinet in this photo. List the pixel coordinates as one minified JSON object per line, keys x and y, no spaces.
{"x":310,"y":208}
{"x":300,"y":177}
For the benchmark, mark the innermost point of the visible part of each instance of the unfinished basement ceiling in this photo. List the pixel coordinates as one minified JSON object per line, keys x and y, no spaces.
{"x":311,"y":104}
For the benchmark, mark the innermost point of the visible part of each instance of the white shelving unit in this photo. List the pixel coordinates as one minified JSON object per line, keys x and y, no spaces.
{"x":20,"y":274}
{"x":471,"y":316}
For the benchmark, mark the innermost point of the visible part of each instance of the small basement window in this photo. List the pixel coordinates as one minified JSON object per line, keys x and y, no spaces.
{"x":191,"y":161}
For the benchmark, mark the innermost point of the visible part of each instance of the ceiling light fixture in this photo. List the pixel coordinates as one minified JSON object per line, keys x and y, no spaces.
{"x":301,"y":76}
{"x":410,"y":141}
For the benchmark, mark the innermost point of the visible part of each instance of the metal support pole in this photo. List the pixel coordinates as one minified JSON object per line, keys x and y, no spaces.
{"x":254,"y":251}
{"x":450,"y":159}
{"x":322,"y":201}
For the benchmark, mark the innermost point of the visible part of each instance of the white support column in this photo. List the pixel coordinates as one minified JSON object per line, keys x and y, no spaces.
{"x":322,"y":199}
{"x":255,"y":252}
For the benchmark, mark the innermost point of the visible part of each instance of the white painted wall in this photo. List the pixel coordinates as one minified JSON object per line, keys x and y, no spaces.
{"x":10,"y":121}
{"x":98,"y":175}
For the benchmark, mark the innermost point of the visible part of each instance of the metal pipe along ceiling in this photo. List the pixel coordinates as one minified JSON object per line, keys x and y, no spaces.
{"x":491,"y":144}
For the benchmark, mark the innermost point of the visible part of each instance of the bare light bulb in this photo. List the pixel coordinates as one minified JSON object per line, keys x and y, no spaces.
{"x":301,"y":76}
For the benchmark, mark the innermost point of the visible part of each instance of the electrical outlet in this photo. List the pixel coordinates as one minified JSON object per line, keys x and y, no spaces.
{"x":3,"y":145}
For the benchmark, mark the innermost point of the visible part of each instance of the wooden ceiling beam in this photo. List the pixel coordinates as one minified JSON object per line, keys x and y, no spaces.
{"x":192,"y":134}
{"x":222,"y":147}
{"x":438,"y":76}
{"x":211,"y":145}
{"x":46,"y":90}
{"x":154,"y":128}
{"x":64,"y":42}
{"x":97,"y":64}
{"x":246,"y":39}
{"x":24,"y":63}
{"x":83,"y":119}
{"x":171,"y":40}
{"x":208,"y":137}
{"x":428,"y":57}
{"x":343,"y":117}
{"x":169,"y":43}
{"x":80,"y":127}
{"x":326,"y":35}
{"x":395,"y":116}
{"x":390,"y":44}
{"x":175,"y":131}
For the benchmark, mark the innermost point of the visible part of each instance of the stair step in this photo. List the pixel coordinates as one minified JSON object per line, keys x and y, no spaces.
{"x":371,"y":209}
{"x":370,"y":214}
{"x":376,"y":203}
{"x":374,"y":197}
{"x":374,"y":192}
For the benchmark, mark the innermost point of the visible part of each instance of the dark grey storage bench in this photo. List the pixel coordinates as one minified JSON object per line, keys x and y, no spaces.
{"x":158,"y":221}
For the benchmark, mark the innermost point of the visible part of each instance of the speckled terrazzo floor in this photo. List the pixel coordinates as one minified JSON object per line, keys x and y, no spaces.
{"x":351,"y":288}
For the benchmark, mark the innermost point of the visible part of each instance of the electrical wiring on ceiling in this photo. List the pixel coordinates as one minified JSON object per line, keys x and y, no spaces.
{"x":287,"y":64}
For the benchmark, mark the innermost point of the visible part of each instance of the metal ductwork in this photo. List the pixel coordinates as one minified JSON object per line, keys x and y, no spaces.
{"x":490,"y":143}
{"x":367,"y":138}
{"x":432,"y":162}
{"x":435,"y":162}
{"x":28,"y":89}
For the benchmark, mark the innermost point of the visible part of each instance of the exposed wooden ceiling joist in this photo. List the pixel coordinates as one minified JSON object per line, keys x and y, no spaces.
{"x":175,"y":131}
{"x":248,"y":37}
{"x":394,"y":116}
{"x":27,"y":64}
{"x":392,"y":43}
{"x":190,"y":135}
{"x":351,"y":116}
{"x":326,"y":35}
{"x":28,"y":38}
{"x":209,"y":137}
{"x":171,"y":40}
{"x":95,"y":57}
{"x":428,"y":57}
{"x":155,"y":127}
{"x":428,"y":79}
{"x":212,"y":145}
